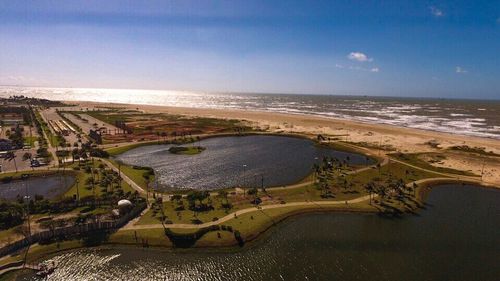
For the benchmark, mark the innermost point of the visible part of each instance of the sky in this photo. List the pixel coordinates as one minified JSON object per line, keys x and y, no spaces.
{"x":446,"y":49}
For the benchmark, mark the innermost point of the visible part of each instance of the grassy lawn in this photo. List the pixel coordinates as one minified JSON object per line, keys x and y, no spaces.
{"x":108,"y":116}
{"x":13,"y":275}
{"x":30,"y":140}
{"x":119,"y":150}
{"x":52,"y":138}
{"x":251,"y":225}
{"x":37,"y":251}
{"x":86,"y":190}
{"x":186,"y":150}
{"x":416,"y":160}
{"x":392,"y":171}
{"x":17,"y":176}
{"x":133,"y":174}
{"x":153,"y":237}
{"x":186,"y":216}
{"x":10,"y":235}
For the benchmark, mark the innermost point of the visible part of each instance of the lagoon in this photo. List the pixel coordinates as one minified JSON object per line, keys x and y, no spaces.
{"x":49,"y":186}
{"x":236,"y":161}
{"x":456,"y":237}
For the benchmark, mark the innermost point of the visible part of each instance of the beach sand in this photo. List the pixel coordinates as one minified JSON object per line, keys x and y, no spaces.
{"x":397,"y":138}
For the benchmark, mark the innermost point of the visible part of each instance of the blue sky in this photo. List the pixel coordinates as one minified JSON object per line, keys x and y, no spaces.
{"x":402,"y":48}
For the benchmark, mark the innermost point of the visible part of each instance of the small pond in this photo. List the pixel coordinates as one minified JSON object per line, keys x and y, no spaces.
{"x":49,"y":186}
{"x":236,"y":161}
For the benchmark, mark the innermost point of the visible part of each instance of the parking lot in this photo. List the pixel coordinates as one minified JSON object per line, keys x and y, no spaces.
{"x":22,"y":165}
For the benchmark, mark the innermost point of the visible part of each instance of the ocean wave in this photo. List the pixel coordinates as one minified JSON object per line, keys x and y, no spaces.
{"x":466,"y":118}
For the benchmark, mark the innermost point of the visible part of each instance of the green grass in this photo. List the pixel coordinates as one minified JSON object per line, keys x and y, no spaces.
{"x":108,"y":116}
{"x":358,"y":181}
{"x":84,"y":190}
{"x":30,"y":140}
{"x":186,"y":150}
{"x":11,"y":234}
{"x":51,"y":137}
{"x":134,"y":174}
{"x":114,"y":151}
{"x":186,"y":216}
{"x":415,"y":159}
{"x":153,"y":237}
{"x":13,"y":275}
{"x":17,"y":176}
{"x":476,"y":150}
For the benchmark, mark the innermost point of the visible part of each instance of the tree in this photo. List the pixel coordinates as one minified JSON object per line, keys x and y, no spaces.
{"x":26,"y":156}
{"x":370,"y":187}
{"x":11,"y":156}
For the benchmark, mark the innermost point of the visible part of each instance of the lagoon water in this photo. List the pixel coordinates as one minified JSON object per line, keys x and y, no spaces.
{"x":49,"y":187}
{"x":236,"y":161}
{"x":457,"y":237}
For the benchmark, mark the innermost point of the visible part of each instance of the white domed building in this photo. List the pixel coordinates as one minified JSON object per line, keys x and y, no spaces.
{"x":124,"y":206}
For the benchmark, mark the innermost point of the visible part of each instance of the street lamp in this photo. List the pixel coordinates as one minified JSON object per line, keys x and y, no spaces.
{"x":244,"y":179}
{"x":27,"y":197}
{"x":244,"y":174}
{"x":77,"y":191}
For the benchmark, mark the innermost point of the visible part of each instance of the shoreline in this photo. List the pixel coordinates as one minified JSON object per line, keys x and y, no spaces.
{"x":260,"y":234}
{"x":377,"y":137}
{"x":250,"y":115}
{"x":384,"y":122}
{"x":307,"y":128}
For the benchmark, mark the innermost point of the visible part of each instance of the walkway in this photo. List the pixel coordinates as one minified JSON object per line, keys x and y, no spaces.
{"x":249,"y":210}
{"x":124,"y":177}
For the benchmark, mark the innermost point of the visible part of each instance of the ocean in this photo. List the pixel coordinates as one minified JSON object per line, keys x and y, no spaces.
{"x":466,"y":117}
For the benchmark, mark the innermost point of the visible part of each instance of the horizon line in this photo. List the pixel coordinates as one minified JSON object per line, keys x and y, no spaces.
{"x":364,"y":95}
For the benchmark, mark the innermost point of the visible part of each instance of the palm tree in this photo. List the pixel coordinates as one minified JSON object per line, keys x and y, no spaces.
{"x":369,"y":187}
{"x":12,"y":156}
{"x":26,"y":156}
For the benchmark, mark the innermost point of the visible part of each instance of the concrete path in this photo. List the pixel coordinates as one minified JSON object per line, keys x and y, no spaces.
{"x":249,"y":210}
{"x":124,"y":177}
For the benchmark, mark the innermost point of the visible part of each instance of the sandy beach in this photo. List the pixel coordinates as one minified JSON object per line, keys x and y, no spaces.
{"x":391,"y":137}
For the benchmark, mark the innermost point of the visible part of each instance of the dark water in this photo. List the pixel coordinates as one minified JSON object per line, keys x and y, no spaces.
{"x":456,"y":238}
{"x":279,"y":160}
{"x":49,"y":186}
{"x":466,"y":117}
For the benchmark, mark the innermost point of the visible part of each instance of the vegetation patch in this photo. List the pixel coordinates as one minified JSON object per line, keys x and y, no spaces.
{"x":186,"y":150}
{"x":477,"y":150}
{"x":416,"y":159}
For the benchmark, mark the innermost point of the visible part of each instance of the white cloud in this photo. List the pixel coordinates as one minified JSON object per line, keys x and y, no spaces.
{"x":358,"y":68}
{"x":357,"y":56}
{"x":460,"y":70}
{"x":436,"y":12}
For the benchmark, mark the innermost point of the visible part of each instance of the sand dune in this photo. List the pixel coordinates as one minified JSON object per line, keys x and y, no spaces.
{"x":391,"y":137}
